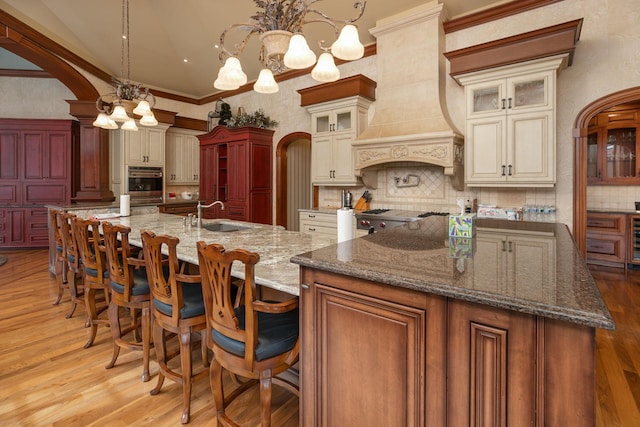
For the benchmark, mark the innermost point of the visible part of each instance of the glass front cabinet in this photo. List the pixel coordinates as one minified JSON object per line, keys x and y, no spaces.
{"x":613,"y":148}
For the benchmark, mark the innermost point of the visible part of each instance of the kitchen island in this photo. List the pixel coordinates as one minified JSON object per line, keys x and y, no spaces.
{"x":409,"y":327}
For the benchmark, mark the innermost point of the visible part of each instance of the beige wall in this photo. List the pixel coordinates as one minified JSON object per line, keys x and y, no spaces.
{"x":606,"y":60}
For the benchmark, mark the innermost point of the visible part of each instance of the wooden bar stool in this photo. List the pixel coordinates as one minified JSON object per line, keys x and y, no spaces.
{"x":257,"y":340}
{"x":74,"y":263}
{"x":129,"y":290}
{"x":60,"y":266}
{"x":95,"y":275}
{"x":177,"y":307}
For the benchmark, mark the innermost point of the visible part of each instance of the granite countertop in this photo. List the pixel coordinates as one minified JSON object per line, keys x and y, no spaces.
{"x":274,"y":244}
{"x":528,"y":267}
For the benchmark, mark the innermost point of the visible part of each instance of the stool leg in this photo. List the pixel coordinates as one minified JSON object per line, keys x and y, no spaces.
{"x":185,"y":360}
{"x":146,"y":342}
{"x":114,"y":325}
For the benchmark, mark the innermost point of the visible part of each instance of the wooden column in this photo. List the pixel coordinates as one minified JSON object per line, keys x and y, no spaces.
{"x":91,"y":156}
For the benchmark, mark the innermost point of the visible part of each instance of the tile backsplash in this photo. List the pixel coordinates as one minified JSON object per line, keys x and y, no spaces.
{"x":614,"y":197}
{"x":420,"y":187}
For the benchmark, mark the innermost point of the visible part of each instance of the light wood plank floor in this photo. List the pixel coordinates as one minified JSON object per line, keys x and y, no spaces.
{"x":47,"y":378}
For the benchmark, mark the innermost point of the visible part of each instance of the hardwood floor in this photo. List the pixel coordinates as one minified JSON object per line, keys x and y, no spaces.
{"x":47,"y":377}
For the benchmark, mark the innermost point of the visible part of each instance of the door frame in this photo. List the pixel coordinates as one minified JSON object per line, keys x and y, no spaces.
{"x":281,"y":174}
{"x":580,"y":132}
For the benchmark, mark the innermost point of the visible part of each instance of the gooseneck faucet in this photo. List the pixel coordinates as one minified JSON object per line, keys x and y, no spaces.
{"x":201,"y":206}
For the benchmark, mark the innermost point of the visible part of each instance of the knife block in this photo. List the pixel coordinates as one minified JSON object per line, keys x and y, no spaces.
{"x":361,"y":205}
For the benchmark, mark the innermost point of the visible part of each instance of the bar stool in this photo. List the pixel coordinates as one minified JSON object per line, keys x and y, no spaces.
{"x":60,"y":264}
{"x":255,"y":340}
{"x":129,"y":290}
{"x":177,"y":307}
{"x":95,"y":275}
{"x":74,"y":263}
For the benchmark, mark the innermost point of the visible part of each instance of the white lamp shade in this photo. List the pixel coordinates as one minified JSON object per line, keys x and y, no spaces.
{"x":230,"y":75}
{"x":325,"y":70}
{"x":119,"y":114}
{"x":265,"y":83}
{"x":299,"y":55}
{"x":129,"y":125}
{"x":101,"y":121}
{"x":148,"y":120}
{"x":348,"y":46}
{"x":111,"y":124}
{"x":142,"y":109}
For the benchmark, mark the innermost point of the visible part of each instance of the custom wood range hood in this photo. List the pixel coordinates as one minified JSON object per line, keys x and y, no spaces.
{"x":411,"y":121}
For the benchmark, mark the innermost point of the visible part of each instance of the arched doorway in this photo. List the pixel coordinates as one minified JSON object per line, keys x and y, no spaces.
{"x":580,"y":159}
{"x":293,"y":166}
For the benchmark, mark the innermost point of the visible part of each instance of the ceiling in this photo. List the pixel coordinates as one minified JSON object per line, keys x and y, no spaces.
{"x":173,"y":43}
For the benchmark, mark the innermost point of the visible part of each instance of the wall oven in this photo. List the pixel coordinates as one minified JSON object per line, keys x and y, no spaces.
{"x":144,"y":184}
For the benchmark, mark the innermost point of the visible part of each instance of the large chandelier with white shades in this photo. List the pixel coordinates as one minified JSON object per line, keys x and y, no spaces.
{"x":278,"y":23}
{"x":127,"y":97}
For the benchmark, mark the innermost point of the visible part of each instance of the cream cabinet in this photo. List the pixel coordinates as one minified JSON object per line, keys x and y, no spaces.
{"x":182,"y":157}
{"x":334,"y":125}
{"x":510,"y":126}
{"x":144,"y":147}
{"x":325,"y":223}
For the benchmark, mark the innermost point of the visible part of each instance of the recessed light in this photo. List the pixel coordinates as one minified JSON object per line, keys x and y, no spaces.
{"x":185,"y":60}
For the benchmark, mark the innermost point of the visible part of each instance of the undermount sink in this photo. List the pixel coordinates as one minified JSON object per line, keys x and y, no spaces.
{"x":223,"y":227}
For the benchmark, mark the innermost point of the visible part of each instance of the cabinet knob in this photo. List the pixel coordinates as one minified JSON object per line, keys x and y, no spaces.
{"x":503,"y":170}
{"x":503,"y":104}
{"x":304,"y":286}
{"x":510,"y":167}
{"x":510,"y":106}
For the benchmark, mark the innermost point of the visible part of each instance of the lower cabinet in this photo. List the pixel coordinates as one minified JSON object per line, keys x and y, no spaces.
{"x":606,"y":239}
{"x":23,"y":227}
{"x":183,"y":209}
{"x":373,"y":354}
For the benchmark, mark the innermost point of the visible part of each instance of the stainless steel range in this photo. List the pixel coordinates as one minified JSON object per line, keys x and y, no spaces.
{"x":379,"y":219}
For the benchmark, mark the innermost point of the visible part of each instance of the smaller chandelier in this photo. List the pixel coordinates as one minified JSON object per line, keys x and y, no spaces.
{"x":279,"y":26}
{"x":127,"y":97}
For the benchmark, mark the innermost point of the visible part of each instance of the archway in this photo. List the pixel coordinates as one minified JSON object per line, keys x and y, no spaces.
{"x":580,"y":158}
{"x":282,"y":176}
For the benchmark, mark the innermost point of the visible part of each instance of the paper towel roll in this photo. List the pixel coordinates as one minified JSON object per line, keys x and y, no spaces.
{"x":345,"y":224}
{"x":125,"y":205}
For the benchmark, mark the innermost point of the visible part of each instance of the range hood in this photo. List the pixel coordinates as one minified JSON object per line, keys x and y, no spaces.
{"x":411,"y":122}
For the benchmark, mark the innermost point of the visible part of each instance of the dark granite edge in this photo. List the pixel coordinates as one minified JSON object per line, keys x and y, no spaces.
{"x":586,"y":318}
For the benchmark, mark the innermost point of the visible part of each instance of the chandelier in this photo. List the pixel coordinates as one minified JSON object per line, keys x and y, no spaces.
{"x":127,"y":97}
{"x":279,"y":26}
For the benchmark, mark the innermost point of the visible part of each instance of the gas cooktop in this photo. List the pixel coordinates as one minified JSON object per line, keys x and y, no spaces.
{"x":377,"y":219}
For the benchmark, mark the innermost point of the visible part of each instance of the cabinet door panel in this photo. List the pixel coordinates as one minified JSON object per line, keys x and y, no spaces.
{"x":9,"y":155}
{"x":35,"y":154}
{"x":45,"y":193}
{"x":322,"y":159}
{"x":59,"y":146}
{"x":486,"y":143}
{"x":155,"y":147}
{"x":532,"y":152}
{"x":487,"y":382}
{"x":343,"y":158}
{"x":394,"y":335}
{"x":9,"y":192}
{"x":135,"y":150}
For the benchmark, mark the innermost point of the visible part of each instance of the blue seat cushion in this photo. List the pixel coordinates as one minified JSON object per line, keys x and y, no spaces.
{"x":193,"y":305}
{"x":58,"y":247}
{"x":94,"y":273}
{"x":277,"y":334}
{"x":140,"y":283}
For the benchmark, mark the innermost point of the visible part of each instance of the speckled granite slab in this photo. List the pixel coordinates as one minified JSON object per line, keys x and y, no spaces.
{"x":274,"y":244}
{"x":528,"y":267}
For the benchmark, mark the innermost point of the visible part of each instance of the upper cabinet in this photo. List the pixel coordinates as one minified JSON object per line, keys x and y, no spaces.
{"x":182,"y":157}
{"x":339,"y":113}
{"x":510,"y":92}
{"x":144,"y":147}
{"x":510,"y":126}
{"x":334,"y":125}
{"x":236,"y":167}
{"x":613,"y":146}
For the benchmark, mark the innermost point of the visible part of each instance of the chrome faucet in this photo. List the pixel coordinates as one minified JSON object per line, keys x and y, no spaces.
{"x":201,"y":206}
